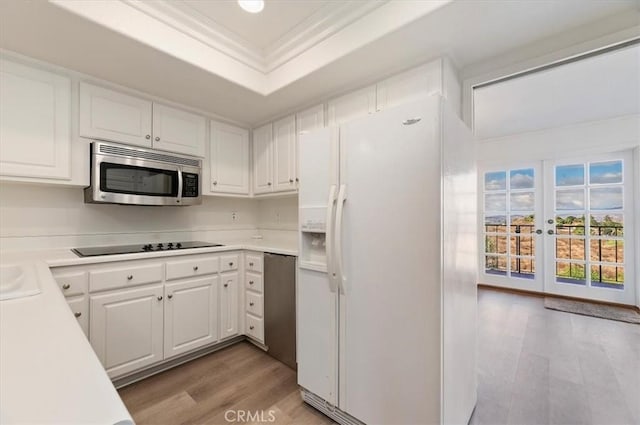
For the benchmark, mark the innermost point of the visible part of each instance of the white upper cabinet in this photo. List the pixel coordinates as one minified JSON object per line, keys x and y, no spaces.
{"x":284,"y":154}
{"x":262,"y":162}
{"x":310,"y":119}
{"x":351,"y":106}
{"x":109,"y":115}
{"x":35,"y":122}
{"x":175,"y":130}
{"x":229,"y":159}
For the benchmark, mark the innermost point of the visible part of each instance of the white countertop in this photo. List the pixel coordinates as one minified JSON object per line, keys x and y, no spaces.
{"x":49,"y":371}
{"x":65,"y":257}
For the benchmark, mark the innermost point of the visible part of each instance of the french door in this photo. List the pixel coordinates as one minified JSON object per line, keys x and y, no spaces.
{"x":563,"y":227}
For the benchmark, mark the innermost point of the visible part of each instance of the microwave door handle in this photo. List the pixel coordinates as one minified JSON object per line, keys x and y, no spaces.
{"x":179,"y":185}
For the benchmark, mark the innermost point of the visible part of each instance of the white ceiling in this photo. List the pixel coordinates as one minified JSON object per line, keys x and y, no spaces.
{"x":260,"y":30}
{"x":172,"y":50}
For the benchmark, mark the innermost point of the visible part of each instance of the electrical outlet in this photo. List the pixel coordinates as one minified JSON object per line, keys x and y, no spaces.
{"x":234,"y":215}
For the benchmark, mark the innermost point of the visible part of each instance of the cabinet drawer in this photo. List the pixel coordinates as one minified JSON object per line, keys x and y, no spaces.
{"x":71,"y":283}
{"x":80,"y":308}
{"x":255,"y":327}
{"x":102,"y":280}
{"x":229,"y":262}
{"x":253,"y":281}
{"x":254,"y":263}
{"x":254,"y":303}
{"x":192,"y":267}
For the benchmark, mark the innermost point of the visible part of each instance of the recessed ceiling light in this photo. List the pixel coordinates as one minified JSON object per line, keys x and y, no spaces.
{"x":252,"y":6}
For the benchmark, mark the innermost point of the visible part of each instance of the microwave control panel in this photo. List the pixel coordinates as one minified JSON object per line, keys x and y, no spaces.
{"x":189,"y":185}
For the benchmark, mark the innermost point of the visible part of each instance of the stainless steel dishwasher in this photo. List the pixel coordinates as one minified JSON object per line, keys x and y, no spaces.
{"x":280,"y":307}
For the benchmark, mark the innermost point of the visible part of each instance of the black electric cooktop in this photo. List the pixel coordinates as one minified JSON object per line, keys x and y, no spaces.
{"x":133,"y":249}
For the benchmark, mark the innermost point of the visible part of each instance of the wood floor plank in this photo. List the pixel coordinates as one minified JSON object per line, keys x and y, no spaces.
{"x":168,"y":411}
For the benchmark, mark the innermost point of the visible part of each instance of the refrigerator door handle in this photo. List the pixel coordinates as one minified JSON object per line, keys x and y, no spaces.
{"x":342,"y":197}
{"x":329,"y":239}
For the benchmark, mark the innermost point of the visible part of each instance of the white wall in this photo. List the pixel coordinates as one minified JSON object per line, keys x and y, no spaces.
{"x":278,"y":213}
{"x":34,"y":217}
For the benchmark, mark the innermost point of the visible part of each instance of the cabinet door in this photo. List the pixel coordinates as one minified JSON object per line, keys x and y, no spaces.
{"x":262,"y":162}
{"x":109,"y":115}
{"x":351,"y":106}
{"x":284,"y":154}
{"x":178,"y":131}
{"x":191,"y":311}
{"x":409,"y":86}
{"x":229,"y":159}
{"x":229,"y":305}
{"x":310,"y":119}
{"x":126,"y":328}
{"x":35,"y":122}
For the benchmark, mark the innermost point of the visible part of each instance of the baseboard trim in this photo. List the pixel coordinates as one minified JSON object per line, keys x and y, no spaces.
{"x":544,"y":294}
{"x":170,"y":364}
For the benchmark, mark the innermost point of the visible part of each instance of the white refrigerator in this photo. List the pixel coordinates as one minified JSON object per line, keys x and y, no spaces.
{"x":386,"y":295}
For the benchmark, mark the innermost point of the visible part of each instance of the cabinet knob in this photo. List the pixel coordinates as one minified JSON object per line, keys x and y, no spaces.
{"x":160,"y":298}
{"x":290,"y":180}
{"x":251,"y":282}
{"x":148,"y":136}
{"x":170,"y":296}
{"x":251,"y":327}
{"x":231,"y":264}
{"x":195,"y":268}
{"x":269,"y":184}
{"x":250,"y":264}
{"x":226,"y":285}
{"x":157,"y":139}
{"x":297,"y":179}
{"x":77,"y":314}
{"x":130,"y":277}
{"x":215,"y":183}
{"x":66,"y":286}
{"x":251,"y":304}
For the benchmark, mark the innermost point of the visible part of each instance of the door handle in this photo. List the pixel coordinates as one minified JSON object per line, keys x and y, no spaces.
{"x":539,"y":232}
{"x":329,"y":238}
{"x":551,"y":232}
{"x":342,"y":198}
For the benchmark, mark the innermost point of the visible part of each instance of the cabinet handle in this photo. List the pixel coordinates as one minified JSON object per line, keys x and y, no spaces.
{"x":77,"y":314}
{"x":251,"y":327}
{"x":170,"y":296}
{"x":251,"y":304}
{"x":160,"y":298}
{"x":215,"y":183}
{"x":157,"y":139}
{"x":290,"y":180}
{"x":130,"y":277}
{"x":251,"y":282}
{"x":250,"y":264}
{"x":195,"y":268}
{"x":66,"y":286}
{"x":148,"y":136}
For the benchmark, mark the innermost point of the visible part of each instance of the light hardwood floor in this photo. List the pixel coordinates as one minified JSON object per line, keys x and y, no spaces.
{"x":240,"y":378}
{"x":535,"y":366}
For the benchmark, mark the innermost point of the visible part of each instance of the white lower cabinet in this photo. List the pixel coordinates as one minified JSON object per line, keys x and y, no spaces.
{"x":190,"y":315}
{"x":229,"y":305}
{"x":126,"y":329}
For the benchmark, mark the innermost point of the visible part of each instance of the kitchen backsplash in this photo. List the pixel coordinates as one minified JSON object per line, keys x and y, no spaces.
{"x":42,"y":217}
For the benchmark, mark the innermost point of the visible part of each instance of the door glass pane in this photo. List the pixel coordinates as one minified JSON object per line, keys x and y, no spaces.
{"x":522,"y":223}
{"x":570,"y":248}
{"x":568,"y":224}
{"x":523,"y":245}
{"x":572,"y":199}
{"x":607,"y":225}
{"x":606,"y":198}
{"x":607,"y":250}
{"x":570,"y":273}
{"x":495,"y":265}
{"x":607,"y":276}
{"x":521,"y":179}
{"x":523,"y":267}
{"x":495,"y":202}
{"x":495,"y":181}
{"x":522,"y":201}
{"x":495,"y":244}
{"x":570,"y":175}
{"x":605,"y":172}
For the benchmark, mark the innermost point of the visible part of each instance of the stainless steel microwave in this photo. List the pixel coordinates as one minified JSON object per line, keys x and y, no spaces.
{"x":122,"y":174}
